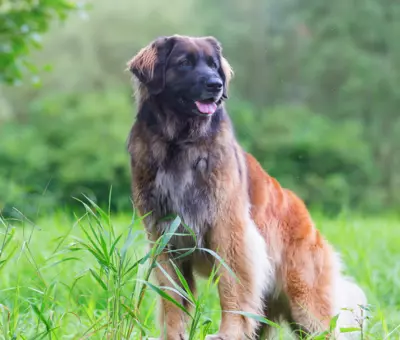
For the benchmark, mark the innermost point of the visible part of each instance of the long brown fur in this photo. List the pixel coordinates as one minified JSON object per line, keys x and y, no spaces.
{"x":286,"y":270}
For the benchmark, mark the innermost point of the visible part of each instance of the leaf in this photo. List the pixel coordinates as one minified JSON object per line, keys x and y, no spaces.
{"x":178,"y":289}
{"x":135,"y":318}
{"x":367,"y":308}
{"x":349,"y":329}
{"x":206,"y":325}
{"x":94,"y":245}
{"x":166,"y":296}
{"x":214,"y":254}
{"x":114,"y":244}
{"x":183,"y":282}
{"x":165,"y":238}
{"x":191,"y":232}
{"x":128,"y":242}
{"x":321,"y":336}
{"x":333,"y":322}
{"x":140,"y":261}
{"x":256,"y":317}
{"x":98,"y":279}
{"x":41,"y":317}
{"x":11,"y":253}
{"x":61,"y":261}
{"x":183,"y":255}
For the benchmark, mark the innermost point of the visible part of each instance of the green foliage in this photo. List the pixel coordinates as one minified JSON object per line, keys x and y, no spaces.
{"x":21,"y":23}
{"x":315,"y":98}
{"x":70,"y":145}
{"x":360,"y":82}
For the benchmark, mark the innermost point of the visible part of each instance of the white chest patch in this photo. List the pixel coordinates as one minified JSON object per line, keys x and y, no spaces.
{"x":263,"y":268}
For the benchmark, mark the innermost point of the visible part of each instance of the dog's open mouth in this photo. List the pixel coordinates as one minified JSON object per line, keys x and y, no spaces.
{"x":206,"y":107}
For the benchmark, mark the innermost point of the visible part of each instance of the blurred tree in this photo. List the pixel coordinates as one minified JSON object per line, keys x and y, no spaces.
{"x":351,"y":68}
{"x":69,"y":145}
{"x":21,"y":23}
{"x":315,"y":98}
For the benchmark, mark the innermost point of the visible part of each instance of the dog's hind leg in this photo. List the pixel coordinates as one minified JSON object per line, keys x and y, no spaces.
{"x":243,"y":249}
{"x":309,"y":287}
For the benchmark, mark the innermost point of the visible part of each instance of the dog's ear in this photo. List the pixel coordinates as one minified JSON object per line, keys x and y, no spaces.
{"x":150,"y":63}
{"x":225,"y":70}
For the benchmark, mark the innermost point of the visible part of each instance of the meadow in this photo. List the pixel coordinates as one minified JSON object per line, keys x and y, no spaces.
{"x":88,"y":275}
{"x":325,"y":124}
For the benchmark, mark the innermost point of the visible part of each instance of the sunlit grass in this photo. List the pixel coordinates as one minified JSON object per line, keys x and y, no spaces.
{"x":89,"y":276}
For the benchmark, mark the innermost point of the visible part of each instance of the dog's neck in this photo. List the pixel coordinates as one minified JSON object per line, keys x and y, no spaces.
{"x":172,"y":127}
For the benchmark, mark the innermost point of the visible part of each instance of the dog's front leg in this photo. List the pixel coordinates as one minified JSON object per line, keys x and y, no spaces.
{"x":173,"y":320}
{"x":243,"y":249}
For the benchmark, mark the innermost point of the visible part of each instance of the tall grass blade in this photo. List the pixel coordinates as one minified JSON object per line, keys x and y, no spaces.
{"x":257,"y":318}
{"x":166,"y":296}
{"x":98,"y":279}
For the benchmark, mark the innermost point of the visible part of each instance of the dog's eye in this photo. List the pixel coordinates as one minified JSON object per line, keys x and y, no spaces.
{"x":212,"y":63}
{"x":184,"y":62}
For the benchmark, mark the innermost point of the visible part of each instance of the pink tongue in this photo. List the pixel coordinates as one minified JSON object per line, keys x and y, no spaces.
{"x":208,"y":108}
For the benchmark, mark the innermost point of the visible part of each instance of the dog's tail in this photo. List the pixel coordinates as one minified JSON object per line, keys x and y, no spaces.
{"x":351,"y":304}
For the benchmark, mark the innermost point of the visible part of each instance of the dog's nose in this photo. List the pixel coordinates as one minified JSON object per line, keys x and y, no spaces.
{"x":214,"y":84}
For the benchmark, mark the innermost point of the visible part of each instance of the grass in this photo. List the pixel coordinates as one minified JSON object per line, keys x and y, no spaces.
{"x":88,"y":276}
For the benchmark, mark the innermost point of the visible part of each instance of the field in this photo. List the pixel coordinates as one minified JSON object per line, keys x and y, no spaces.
{"x":87,"y":276}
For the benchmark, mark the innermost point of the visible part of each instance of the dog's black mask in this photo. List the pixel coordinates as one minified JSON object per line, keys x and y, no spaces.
{"x":189,"y":75}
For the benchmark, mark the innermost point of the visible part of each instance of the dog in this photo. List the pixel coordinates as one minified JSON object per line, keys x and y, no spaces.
{"x":186,"y":161}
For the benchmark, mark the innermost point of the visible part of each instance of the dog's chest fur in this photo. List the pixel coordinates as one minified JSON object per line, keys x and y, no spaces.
{"x":181,"y":182}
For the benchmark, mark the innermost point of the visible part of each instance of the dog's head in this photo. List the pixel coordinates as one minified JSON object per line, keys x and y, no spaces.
{"x":189,"y":74}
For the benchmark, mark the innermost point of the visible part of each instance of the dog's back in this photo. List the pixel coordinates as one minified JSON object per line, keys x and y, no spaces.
{"x":308,"y":271}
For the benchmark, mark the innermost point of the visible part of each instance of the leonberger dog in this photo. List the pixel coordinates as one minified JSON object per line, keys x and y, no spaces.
{"x":186,"y":161}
